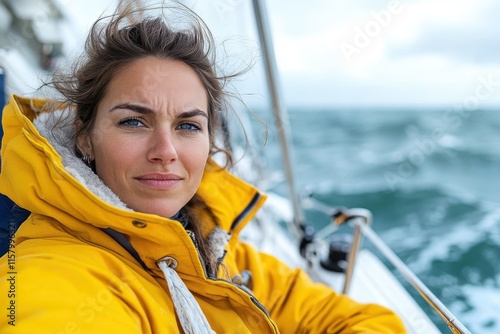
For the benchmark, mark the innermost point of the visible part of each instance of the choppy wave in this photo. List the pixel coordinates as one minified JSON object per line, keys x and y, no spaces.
{"x":430,"y":179}
{"x":481,"y":309}
{"x":450,"y":241}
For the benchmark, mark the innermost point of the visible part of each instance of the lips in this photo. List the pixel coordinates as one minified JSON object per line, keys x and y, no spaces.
{"x":159,"y":181}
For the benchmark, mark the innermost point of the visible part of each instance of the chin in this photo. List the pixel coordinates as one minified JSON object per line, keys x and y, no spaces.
{"x":158,"y":210}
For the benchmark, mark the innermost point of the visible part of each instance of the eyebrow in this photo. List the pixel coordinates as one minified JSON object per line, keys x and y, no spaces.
{"x":147,"y":111}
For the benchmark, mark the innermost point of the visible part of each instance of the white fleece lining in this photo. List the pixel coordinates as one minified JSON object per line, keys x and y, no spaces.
{"x":57,"y":127}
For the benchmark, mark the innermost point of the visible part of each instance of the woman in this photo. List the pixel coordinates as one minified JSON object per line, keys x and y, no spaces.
{"x":134,"y":228}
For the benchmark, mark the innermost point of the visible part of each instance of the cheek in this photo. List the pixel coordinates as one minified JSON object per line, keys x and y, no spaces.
{"x":102,"y":131}
{"x":196,"y":157}
{"x":105,"y":148}
{"x":112,"y":156}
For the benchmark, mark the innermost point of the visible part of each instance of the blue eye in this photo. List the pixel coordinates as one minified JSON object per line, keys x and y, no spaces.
{"x":131,"y":122}
{"x":188,"y":127}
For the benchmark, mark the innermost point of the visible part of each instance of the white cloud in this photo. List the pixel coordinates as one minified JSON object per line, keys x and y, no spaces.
{"x":394,"y":52}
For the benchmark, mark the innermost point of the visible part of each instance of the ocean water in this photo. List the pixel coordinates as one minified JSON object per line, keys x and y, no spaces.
{"x":430,"y":178}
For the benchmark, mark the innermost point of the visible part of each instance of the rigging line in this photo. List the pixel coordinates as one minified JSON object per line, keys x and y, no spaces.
{"x":281,"y":120}
{"x":453,"y":323}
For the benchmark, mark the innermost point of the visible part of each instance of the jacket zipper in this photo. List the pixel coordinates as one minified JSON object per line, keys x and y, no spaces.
{"x":195,"y":243}
{"x":246,"y":211}
{"x":252,"y":298}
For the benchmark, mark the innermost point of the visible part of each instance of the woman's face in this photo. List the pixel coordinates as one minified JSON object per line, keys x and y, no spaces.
{"x":150,"y":138}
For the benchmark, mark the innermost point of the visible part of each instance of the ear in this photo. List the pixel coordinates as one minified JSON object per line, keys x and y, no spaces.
{"x":84,"y":144}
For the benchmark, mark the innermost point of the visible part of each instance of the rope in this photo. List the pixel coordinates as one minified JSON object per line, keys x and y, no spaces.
{"x":192,"y":319}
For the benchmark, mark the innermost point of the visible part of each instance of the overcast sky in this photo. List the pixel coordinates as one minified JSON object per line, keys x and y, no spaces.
{"x":371,"y":52}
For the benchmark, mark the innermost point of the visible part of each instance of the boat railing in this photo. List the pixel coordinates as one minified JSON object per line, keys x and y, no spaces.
{"x":360,"y":219}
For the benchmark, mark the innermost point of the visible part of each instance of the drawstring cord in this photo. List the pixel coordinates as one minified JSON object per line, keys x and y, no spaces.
{"x":192,"y":319}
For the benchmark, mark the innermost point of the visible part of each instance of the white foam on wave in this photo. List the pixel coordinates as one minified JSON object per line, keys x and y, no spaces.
{"x":461,"y":237}
{"x":402,"y":238}
{"x":481,"y":314}
{"x":450,"y":141}
{"x":479,"y":310}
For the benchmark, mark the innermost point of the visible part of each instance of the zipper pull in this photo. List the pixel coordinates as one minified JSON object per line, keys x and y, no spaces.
{"x":193,"y":238}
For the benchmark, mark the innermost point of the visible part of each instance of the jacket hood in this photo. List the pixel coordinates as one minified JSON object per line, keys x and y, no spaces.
{"x":41,"y":173}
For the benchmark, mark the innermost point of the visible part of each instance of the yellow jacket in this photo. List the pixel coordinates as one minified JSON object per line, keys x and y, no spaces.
{"x":65,"y":274}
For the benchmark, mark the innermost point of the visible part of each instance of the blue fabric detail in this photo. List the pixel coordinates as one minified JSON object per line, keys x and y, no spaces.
{"x":123,"y":241}
{"x":12,"y":216}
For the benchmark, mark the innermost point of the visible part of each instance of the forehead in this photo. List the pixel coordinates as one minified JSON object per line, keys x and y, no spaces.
{"x":159,"y":83}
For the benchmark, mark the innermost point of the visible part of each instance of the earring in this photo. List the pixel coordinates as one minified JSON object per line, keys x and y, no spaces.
{"x":87,"y":159}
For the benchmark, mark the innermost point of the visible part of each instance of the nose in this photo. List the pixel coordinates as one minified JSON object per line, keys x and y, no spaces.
{"x":162,"y":147}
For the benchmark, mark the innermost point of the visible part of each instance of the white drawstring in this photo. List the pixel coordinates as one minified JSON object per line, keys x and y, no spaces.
{"x":192,"y":319}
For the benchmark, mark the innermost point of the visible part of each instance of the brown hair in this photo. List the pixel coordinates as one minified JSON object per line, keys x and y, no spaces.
{"x":113,"y":45}
{"x":110,"y":46}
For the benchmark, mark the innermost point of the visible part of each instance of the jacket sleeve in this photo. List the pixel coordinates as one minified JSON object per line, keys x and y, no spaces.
{"x":53,"y":293}
{"x":299,"y":305}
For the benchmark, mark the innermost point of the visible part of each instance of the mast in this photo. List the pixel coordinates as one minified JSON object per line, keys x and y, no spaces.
{"x":279,"y":111}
